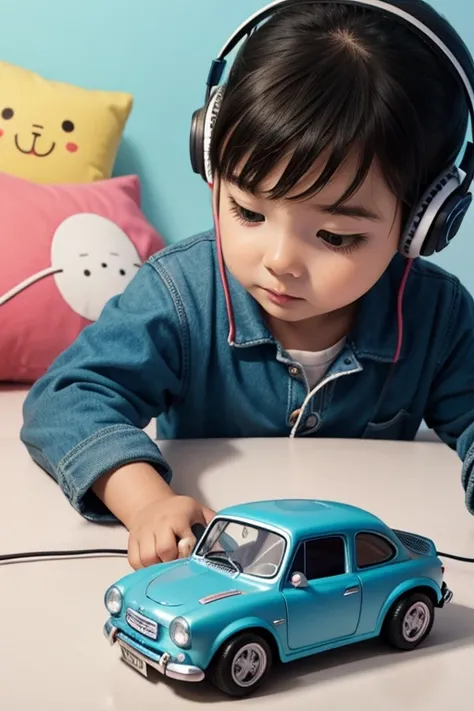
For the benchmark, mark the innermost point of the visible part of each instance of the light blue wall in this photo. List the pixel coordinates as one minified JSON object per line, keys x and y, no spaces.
{"x":160,"y":52}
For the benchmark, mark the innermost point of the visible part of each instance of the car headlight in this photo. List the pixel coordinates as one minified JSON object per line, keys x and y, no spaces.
{"x":113,"y":600}
{"x":180,"y":632}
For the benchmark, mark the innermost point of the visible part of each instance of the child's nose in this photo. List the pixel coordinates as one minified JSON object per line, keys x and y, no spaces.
{"x":283,"y":257}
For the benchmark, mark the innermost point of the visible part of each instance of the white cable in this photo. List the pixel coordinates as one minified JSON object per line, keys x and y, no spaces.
{"x":27,"y":282}
{"x":312,"y":392}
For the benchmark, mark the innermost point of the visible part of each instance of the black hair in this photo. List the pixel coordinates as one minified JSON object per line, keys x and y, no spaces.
{"x":317,"y":78}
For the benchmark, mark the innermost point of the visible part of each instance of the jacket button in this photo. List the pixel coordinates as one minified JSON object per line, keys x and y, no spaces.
{"x":294,"y":371}
{"x":311,"y":421}
{"x":294,"y":416}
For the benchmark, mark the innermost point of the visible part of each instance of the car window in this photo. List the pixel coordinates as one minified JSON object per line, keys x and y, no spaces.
{"x":372,"y":549}
{"x":256,"y":551}
{"x":241,"y":534}
{"x":325,"y":557}
{"x":298,"y":565}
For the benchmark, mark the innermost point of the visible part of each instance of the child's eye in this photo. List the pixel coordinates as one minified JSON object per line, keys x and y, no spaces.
{"x":246,"y":216}
{"x":342,"y":243}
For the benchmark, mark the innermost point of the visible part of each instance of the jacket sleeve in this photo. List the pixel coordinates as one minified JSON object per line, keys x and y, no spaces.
{"x":86,"y":415}
{"x":450,"y":408}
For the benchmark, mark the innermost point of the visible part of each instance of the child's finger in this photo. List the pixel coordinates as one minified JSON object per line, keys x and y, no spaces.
{"x":134,"y":553}
{"x":147,"y":548}
{"x":166,"y":545}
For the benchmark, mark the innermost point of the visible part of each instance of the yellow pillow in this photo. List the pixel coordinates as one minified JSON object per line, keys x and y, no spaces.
{"x":53,"y":132}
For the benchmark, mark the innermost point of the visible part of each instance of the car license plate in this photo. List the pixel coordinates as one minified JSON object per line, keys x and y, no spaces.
{"x":134,"y":661}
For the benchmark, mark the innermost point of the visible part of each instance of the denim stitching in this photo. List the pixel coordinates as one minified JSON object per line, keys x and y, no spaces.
{"x":208,"y":236}
{"x":183,"y":322}
{"x":78,"y":448}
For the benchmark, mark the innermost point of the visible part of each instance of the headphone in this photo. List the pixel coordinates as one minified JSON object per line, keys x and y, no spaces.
{"x":437,"y":216}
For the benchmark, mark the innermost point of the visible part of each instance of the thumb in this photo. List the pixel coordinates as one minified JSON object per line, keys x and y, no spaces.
{"x":208,"y":514}
{"x":187,"y":538}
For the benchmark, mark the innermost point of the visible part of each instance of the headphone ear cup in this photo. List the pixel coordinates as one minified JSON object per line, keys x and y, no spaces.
{"x":210,"y":118}
{"x":446,"y":224}
{"x":196,"y":142}
{"x":427,"y":224}
{"x":202,"y":123}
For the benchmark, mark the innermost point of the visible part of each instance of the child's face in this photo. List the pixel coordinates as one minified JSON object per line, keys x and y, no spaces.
{"x":320,"y":262}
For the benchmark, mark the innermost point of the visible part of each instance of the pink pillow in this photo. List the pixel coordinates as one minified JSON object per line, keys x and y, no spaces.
{"x":64,"y":251}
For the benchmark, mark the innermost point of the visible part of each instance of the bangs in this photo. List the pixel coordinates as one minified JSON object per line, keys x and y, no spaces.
{"x":294,"y":106}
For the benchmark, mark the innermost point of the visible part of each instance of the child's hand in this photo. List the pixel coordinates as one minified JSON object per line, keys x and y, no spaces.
{"x":161,"y":531}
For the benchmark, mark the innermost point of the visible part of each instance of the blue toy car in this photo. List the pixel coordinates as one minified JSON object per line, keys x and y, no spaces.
{"x":276,"y":580}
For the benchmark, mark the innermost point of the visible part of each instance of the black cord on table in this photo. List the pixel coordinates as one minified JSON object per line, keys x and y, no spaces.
{"x":462,"y":558}
{"x":57,"y":554}
{"x":123,"y":551}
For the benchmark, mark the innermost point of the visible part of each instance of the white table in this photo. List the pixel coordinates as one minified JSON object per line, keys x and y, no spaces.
{"x":53,"y":655}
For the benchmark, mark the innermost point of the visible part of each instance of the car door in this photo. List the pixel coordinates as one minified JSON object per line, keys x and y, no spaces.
{"x":328,"y":608}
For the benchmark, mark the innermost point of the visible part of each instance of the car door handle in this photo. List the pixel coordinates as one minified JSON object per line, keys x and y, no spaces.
{"x":352,"y":591}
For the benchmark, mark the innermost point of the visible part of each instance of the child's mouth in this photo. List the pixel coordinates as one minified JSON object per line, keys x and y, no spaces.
{"x":281,"y":299}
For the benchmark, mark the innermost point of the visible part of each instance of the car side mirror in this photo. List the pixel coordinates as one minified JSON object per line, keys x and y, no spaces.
{"x":299,"y":580}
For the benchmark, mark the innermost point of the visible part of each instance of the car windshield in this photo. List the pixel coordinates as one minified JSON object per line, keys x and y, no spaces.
{"x":247,"y":549}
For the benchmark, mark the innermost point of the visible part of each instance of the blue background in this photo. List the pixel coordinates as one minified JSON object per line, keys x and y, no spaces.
{"x":160,"y":52}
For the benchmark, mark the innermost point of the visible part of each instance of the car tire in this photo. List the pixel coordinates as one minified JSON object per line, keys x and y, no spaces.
{"x":245,"y":651}
{"x":409,"y":622}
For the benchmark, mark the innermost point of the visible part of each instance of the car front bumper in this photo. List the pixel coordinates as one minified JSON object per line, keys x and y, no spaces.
{"x":161,"y":662}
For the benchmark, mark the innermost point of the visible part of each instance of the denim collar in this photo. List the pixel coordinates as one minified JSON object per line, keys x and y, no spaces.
{"x":374,"y":335}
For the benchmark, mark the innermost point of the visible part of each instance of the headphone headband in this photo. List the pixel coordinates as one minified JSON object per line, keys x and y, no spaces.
{"x":392,"y":8}
{"x":446,"y":201}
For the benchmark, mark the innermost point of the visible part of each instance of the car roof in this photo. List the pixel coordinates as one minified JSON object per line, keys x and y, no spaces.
{"x":303,"y":517}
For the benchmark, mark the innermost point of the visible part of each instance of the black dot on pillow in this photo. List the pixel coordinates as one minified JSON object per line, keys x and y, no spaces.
{"x":67,"y":126}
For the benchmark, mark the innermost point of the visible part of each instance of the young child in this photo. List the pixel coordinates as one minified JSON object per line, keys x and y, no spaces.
{"x":286,"y":319}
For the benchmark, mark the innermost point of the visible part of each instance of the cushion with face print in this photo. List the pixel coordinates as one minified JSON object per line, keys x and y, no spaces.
{"x":54,"y":132}
{"x":65,"y":250}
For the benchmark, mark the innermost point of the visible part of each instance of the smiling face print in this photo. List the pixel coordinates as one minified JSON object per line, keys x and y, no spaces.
{"x":30,"y":136}
{"x":34,"y":141}
{"x":53,"y":132}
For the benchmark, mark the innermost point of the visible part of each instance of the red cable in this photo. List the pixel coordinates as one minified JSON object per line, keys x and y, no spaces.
{"x":400,"y":309}
{"x":215,"y":212}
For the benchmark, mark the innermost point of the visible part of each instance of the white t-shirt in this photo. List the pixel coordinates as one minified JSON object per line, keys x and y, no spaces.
{"x":316,"y":363}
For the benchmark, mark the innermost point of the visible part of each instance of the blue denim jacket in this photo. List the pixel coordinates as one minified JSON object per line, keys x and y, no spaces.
{"x":161,"y":350}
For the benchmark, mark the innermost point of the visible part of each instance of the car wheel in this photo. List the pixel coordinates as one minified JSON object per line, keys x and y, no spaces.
{"x":242,"y":664}
{"x":410,"y":621}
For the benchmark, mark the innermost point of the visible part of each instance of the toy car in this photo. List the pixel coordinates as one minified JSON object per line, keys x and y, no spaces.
{"x":276,"y":580}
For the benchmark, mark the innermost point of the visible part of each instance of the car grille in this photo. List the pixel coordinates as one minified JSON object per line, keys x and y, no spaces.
{"x":225,"y":567}
{"x":142,"y":624}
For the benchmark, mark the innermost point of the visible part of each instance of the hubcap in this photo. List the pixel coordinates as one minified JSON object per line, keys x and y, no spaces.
{"x":416,"y":621}
{"x":249,"y":664}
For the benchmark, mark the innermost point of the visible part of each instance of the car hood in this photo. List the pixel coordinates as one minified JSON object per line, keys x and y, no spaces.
{"x":190,"y":582}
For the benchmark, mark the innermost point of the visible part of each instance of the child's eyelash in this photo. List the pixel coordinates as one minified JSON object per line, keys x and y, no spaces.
{"x":356,"y":240}
{"x":237,"y":210}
